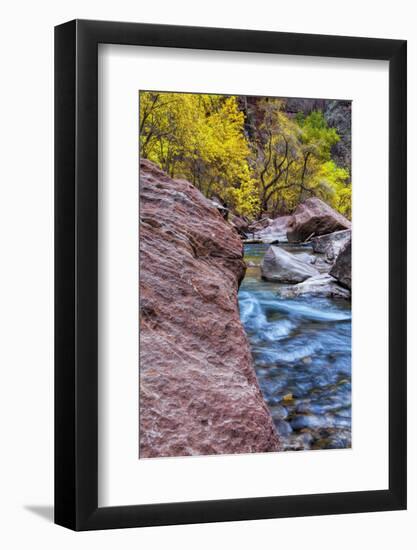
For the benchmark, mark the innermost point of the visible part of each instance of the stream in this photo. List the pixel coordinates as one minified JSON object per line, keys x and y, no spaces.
{"x":301,"y":349}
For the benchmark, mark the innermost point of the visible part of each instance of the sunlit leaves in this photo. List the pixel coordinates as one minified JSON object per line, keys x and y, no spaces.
{"x":293,"y":160}
{"x":200,"y":137}
{"x":280,"y":162}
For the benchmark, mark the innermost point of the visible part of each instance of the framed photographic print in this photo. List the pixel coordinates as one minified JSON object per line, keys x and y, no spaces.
{"x":230,"y":249}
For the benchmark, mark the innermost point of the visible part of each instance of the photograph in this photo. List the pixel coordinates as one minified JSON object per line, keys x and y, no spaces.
{"x":245,"y":221}
{"x":207,"y":229}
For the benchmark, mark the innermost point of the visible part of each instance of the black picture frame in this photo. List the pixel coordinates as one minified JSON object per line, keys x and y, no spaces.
{"x":76,"y":272}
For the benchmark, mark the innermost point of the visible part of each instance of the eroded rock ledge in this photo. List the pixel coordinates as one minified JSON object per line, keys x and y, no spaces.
{"x":198,"y":389}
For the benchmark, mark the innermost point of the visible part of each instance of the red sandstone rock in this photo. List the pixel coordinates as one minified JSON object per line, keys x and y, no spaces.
{"x":198,"y":389}
{"x":314,"y":217}
{"x":240,"y":224}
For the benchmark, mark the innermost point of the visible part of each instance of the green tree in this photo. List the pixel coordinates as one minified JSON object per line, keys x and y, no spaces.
{"x":291,"y":159}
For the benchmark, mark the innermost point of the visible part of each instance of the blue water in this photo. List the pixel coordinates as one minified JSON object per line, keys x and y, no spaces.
{"x":302,"y":355}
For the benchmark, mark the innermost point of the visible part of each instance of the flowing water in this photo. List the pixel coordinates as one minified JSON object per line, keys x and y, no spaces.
{"x":302,"y":355}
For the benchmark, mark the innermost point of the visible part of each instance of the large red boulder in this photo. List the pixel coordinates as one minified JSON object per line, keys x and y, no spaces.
{"x":314,"y":217}
{"x":198,"y":390}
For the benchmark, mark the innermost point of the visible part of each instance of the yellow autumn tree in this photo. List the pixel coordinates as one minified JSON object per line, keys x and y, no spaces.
{"x":200,"y":137}
{"x":292,"y":160}
{"x":331,"y":183}
{"x":257,"y":160}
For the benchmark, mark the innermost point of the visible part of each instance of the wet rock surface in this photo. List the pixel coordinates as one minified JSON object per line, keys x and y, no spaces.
{"x":342,"y":269}
{"x":319,"y":285}
{"x":313,"y":218}
{"x":198,"y":390}
{"x":281,"y":266}
{"x":331,"y":244}
{"x":269,"y":230}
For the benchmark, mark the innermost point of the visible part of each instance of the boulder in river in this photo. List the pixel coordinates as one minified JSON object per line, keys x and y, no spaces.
{"x":270,"y":230}
{"x":320,"y":263}
{"x":342,"y":269}
{"x":320,"y":285}
{"x":331,"y":244}
{"x":281,"y":266}
{"x":199,"y":394}
{"x":312,"y":218}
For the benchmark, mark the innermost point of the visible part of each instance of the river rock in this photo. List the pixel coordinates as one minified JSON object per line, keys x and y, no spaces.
{"x":240,"y":224}
{"x":281,"y":266}
{"x":279,"y":413}
{"x":331,"y":244}
{"x":310,"y":421}
{"x":198,"y":390}
{"x":260,"y":224}
{"x":305,"y":257}
{"x":342,"y":269}
{"x":283,"y":428}
{"x":320,"y":285}
{"x":320,"y":263}
{"x":270,"y":230}
{"x":312,"y":218}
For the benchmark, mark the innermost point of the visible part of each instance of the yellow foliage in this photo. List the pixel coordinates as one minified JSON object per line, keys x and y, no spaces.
{"x":280,"y":162}
{"x":200,"y":137}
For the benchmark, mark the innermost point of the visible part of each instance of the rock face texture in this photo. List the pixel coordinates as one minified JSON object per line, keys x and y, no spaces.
{"x":281,"y":266}
{"x":331,"y":244}
{"x":198,"y":389}
{"x":342,"y":269}
{"x":240,"y":224}
{"x":320,"y":285}
{"x":270,"y":231}
{"x":312,"y":218}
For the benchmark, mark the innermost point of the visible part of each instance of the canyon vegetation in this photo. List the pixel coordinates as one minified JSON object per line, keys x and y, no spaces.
{"x":258,"y":156}
{"x":245,"y":274}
